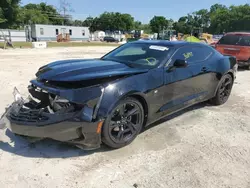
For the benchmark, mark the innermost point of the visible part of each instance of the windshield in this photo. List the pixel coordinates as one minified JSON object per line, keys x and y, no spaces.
{"x":138,"y":54}
{"x":241,"y":40}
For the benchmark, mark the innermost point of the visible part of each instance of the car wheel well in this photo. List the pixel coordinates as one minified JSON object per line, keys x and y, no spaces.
{"x":144,"y":105}
{"x":231,"y":74}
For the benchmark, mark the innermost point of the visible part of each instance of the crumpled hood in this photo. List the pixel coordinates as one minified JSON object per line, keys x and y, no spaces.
{"x":84,"y":69}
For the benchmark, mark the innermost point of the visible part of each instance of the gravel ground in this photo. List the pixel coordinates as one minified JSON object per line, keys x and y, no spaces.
{"x":203,"y":146}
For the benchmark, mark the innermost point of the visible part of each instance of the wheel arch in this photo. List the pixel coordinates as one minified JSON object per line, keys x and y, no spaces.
{"x":132,"y":94}
{"x":144,"y":103}
{"x":141,"y":98}
{"x":231,"y":74}
{"x":227,"y":73}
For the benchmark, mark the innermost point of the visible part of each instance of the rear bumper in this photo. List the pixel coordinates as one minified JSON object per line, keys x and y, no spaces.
{"x":62,"y":127}
{"x":243,"y":63}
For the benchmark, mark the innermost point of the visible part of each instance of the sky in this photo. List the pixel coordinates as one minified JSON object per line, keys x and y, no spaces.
{"x":140,"y":10}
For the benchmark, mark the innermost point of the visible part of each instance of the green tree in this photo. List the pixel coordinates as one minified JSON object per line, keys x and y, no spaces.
{"x":96,"y":25}
{"x":137,"y":25}
{"x":220,"y":21}
{"x":8,"y":13}
{"x":158,"y":23}
{"x":2,"y":18}
{"x":183,"y":25}
{"x":127,"y":22}
{"x":202,"y":18}
{"x":88,"y":21}
{"x":105,"y":21}
{"x":27,"y":17}
{"x":77,"y":23}
{"x":111,"y":21}
{"x":216,"y":20}
{"x":45,"y":14}
{"x":215,"y":7}
{"x":240,"y":18}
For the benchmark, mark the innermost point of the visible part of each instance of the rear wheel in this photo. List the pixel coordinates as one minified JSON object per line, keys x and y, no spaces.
{"x":224,"y":90}
{"x":123,"y":124}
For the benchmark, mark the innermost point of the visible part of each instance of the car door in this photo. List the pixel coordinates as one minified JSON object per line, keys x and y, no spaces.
{"x":188,"y":85}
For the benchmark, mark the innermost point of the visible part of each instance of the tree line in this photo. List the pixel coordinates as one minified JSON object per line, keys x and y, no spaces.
{"x":216,"y":20}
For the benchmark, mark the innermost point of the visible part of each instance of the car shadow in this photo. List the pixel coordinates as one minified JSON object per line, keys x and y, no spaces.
{"x":47,"y":148}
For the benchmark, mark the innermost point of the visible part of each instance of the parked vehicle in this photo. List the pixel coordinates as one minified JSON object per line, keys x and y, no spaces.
{"x":236,"y":44}
{"x":213,"y":44}
{"x":110,"y":39}
{"x":111,"y":99}
{"x":216,"y":38}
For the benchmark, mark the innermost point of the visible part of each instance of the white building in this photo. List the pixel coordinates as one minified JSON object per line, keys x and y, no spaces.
{"x":99,"y":35}
{"x":14,"y":35}
{"x":39,"y":32}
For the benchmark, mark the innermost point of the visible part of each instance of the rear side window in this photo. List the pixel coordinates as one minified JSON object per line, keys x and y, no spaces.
{"x":194,"y":54}
{"x":240,"y":40}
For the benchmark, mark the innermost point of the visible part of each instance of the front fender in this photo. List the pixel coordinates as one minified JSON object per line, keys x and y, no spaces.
{"x":140,"y":85}
{"x":112,"y":94}
{"x":121,"y":97}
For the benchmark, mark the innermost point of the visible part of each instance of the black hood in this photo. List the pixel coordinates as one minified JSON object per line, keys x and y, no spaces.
{"x":84,"y":69}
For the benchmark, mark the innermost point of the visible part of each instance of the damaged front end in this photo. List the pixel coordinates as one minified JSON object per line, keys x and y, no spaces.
{"x":58,"y":113}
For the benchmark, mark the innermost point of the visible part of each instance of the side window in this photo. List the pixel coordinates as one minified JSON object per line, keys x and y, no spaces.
{"x":70,"y":32}
{"x":193,"y":54}
{"x":57,"y":32}
{"x":83,"y":32}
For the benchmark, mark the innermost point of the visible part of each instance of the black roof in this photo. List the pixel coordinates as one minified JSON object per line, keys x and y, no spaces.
{"x":167,"y":43}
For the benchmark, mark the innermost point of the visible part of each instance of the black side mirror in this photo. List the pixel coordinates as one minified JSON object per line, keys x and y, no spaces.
{"x":180,"y":63}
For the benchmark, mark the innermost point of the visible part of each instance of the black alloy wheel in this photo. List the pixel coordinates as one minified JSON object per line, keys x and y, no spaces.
{"x":224,"y":90}
{"x":123,"y":124}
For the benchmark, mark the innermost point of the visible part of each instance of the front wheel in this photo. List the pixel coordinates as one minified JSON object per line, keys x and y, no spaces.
{"x":224,"y":90}
{"x":123,"y":124}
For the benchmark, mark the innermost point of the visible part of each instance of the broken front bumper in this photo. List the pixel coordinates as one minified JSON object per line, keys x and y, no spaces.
{"x":23,"y":119}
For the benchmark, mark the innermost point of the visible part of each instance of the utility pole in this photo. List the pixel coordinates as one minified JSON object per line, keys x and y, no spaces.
{"x":64,"y":8}
{"x":64,"y":12}
{"x":163,"y":29}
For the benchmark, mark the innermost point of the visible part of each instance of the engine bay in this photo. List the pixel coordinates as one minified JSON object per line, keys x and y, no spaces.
{"x":50,"y":103}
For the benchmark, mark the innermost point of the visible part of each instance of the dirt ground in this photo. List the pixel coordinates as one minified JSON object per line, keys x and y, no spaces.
{"x":204,"y":146}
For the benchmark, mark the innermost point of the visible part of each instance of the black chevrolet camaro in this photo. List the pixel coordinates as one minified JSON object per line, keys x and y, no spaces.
{"x":109,"y":100}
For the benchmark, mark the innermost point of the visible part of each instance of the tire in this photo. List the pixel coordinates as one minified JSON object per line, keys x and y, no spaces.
{"x":118,"y":132}
{"x":224,"y":90}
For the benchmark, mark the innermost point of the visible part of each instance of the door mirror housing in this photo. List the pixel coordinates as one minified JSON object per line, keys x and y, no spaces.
{"x":180,"y":63}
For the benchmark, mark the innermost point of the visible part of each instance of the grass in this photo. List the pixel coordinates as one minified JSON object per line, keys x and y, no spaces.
{"x":61,"y":44}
